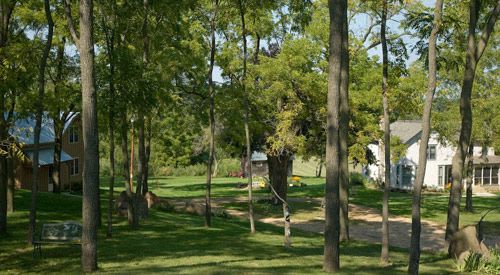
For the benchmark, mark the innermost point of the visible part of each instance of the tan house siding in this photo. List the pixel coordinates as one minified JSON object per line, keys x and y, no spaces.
{"x":74,"y":149}
{"x":23,"y":170}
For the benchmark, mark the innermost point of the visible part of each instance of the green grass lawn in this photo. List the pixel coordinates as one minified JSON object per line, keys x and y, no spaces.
{"x":170,"y":242}
{"x":434,"y":205}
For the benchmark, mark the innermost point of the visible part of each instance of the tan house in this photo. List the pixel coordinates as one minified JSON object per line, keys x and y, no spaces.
{"x":71,"y":154}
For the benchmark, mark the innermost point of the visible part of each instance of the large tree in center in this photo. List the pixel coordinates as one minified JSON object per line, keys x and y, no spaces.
{"x":337,"y":11}
{"x":426,"y":127}
{"x":90,"y":212}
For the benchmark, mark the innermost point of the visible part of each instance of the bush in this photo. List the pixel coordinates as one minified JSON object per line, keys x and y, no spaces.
{"x":224,"y":167}
{"x":356,"y":178}
{"x":476,"y":263}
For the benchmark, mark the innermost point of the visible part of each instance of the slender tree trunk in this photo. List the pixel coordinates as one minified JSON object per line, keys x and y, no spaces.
{"x":278,"y":175}
{"x":110,"y":49}
{"x":474,"y":53}
{"x":124,"y":148}
{"x":384,"y":255}
{"x":331,"y":261}
{"x":59,"y":121}
{"x":414,"y":260}
{"x":211,"y":115}
{"x":242,"y":9}
{"x":344,"y":133}
{"x":468,"y":197}
{"x":145,"y":184}
{"x":10,"y":182}
{"x":38,"y":125}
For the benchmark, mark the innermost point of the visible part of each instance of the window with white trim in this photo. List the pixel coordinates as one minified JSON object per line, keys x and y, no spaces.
{"x":73,"y":134}
{"x":74,"y":167}
{"x":431,"y":152}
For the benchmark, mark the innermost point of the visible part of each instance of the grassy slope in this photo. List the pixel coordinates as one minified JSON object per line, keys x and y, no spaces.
{"x":178,"y":243}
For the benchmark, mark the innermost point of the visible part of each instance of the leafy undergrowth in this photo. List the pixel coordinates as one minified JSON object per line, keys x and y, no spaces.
{"x":178,"y":243}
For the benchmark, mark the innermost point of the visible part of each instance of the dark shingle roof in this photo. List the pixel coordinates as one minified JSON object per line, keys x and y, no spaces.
{"x":406,"y":130}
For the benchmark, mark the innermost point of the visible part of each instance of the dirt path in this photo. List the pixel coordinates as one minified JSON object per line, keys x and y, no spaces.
{"x":365,"y":224}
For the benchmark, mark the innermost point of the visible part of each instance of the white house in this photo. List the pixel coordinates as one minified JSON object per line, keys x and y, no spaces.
{"x":439,"y":159}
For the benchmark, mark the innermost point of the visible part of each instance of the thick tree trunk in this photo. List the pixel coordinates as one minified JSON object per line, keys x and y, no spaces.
{"x":468,"y":197}
{"x":242,"y":9}
{"x":278,"y":176}
{"x":6,"y":9}
{"x":90,"y":207}
{"x":414,"y":260}
{"x":384,"y":255}
{"x":38,"y":124}
{"x":139,"y":212}
{"x":331,"y":261}
{"x":344,"y":133}
{"x":474,"y":53}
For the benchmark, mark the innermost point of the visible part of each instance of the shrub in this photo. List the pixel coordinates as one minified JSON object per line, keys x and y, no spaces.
{"x":356,"y":178}
{"x":476,"y":263}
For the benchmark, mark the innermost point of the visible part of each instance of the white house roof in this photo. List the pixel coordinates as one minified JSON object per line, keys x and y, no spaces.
{"x":406,"y":130}
{"x":261,"y":156}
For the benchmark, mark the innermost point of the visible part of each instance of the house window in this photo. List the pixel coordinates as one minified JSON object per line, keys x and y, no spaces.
{"x":73,"y":134}
{"x":440,"y":175}
{"x":494,"y":175}
{"x":431,"y":152}
{"x":74,"y":167}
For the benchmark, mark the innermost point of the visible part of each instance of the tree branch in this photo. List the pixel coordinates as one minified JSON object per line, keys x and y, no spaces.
{"x":488,"y":29}
{"x":71,"y":25}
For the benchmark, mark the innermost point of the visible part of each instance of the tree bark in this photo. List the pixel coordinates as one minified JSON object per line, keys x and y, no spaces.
{"x":38,"y":125}
{"x":331,"y":261}
{"x":384,"y":255}
{"x":414,"y":260}
{"x":246,"y":118}
{"x":90,"y":207}
{"x":468,"y":197}
{"x":211,"y":115}
{"x":145,"y":184}
{"x":344,"y":133}
{"x":59,"y":121}
{"x":474,"y":53}
{"x":124,"y":148}
{"x":6,"y":9}
{"x":278,"y":175}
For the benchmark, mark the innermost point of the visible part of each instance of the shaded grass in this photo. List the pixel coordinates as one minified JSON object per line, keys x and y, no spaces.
{"x":178,"y":243}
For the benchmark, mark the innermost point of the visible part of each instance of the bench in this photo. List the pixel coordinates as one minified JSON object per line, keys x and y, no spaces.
{"x":65,"y":233}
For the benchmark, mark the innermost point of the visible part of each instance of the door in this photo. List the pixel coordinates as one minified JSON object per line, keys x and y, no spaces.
{"x":51,"y":183}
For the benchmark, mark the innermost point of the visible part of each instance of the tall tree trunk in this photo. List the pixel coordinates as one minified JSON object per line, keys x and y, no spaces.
{"x":384,"y":255}
{"x":211,"y":115}
{"x":110,"y":51}
{"x":278,"y":174}
{"x":138,"y":196}
{"x":38,"y":125}
{"x":344,"y":133}
{"x":474,"y":52}
{"x":90,"y":207}
{"x":414,"y":260}
{"x":242,"y":9}
{"x":468,"y":197}
{"x":331,"y":261}
{"x":6,"y":9}
{"x":90,"y":139}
